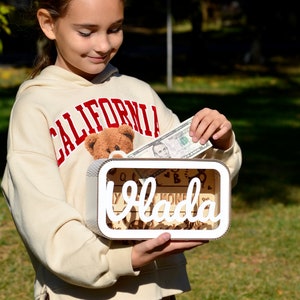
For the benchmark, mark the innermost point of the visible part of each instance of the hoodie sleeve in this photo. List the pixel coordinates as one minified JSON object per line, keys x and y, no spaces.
{"x":50,"y":227}
{"x":231,"y":157}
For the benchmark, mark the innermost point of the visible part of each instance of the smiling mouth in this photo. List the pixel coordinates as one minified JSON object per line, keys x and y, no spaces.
{"x":98,"y":58}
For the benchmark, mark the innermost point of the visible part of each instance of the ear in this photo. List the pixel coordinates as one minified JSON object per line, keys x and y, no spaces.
{"x":46,"y":23}
{"x":127,"y":131}
{"x":90,"y":141}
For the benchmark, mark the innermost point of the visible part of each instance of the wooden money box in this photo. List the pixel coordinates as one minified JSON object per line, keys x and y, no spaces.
{"x":134,"y":199}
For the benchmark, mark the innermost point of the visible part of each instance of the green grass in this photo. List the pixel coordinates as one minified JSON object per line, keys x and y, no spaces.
{"x":259,"y":257}
{"x":16,"y":271}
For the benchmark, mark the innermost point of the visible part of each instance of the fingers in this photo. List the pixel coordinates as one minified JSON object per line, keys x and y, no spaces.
{"x":209,"y":124}
{"x":147,"y":251}
{"x":158,"y":244}
{"x":181,"y":246}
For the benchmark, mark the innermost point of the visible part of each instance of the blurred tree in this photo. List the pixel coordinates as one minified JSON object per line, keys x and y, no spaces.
{"x":270,"y":24}
{"x":150,"y":14}
{"x":5,"y":10}
{"x":22,"y":24}
{"x":264,"y":24}
{"x":20,"y":4}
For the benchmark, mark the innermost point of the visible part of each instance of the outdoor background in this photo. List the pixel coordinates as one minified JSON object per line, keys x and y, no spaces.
{"x":240,"y":57}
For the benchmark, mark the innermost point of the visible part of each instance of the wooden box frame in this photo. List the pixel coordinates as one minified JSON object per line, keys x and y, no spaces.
{"x":208,"y":216}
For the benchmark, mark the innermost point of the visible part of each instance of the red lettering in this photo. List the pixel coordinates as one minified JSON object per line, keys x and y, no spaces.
{"x":123,"y":114}
{"x":156,"y":124}
{"x":65,"y":139}
{"x":94,"y":114}
{"x":61,"y":159}
{"x":133,"y":108}
{"x":78,"y":139}
{"x":104,"y":104}
{"x":147,"y":129}
{"x":86,"y":120}
{"x":69,"y":134}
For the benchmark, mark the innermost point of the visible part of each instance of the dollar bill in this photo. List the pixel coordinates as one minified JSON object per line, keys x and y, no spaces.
{"x":174,"y":144}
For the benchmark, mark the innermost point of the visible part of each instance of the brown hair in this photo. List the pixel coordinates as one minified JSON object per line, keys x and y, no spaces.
{"x":46,"y":48}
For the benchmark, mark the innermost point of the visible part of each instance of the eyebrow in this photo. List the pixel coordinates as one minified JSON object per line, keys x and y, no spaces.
{"x":87,"y":25}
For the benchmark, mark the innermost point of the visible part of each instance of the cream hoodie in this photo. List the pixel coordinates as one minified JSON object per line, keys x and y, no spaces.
{"x":44,"y":184}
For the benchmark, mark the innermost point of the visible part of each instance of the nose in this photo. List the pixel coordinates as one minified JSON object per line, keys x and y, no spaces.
{"x":102,"y":43}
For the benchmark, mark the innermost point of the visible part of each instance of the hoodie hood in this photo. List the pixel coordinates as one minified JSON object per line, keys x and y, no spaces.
{"x":57,"y":77}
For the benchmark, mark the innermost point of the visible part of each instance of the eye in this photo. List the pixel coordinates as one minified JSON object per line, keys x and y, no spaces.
{"x":85,"y":34}
{"x":117,"y":148}
{"x":115,"y":29}
{"x":107,"y":150}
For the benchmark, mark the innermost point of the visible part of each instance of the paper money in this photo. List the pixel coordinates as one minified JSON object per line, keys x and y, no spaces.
{"x":175,"y":144}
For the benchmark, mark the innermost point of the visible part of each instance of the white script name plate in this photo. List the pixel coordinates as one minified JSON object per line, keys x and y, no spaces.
{"x":190,"y":198}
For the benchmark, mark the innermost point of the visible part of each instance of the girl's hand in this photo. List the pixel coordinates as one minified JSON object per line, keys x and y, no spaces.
{"x":208,"y":124}
{"x":147,"y":251}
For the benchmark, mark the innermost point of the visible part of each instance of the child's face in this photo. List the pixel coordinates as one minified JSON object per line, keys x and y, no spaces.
{"x":89,"y":36}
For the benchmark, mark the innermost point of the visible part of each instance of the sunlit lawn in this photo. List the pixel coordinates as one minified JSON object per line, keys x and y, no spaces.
{"x":259,"y":257}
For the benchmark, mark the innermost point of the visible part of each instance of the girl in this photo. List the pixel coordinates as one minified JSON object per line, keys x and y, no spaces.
{"x":75,"y":92}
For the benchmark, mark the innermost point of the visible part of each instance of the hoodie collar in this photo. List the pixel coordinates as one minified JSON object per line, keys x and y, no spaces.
{"x":106,"y":74}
